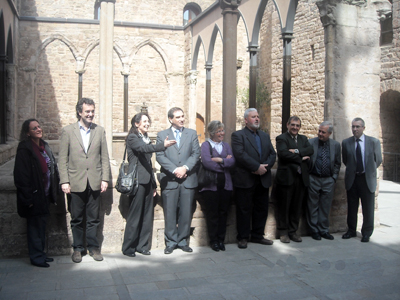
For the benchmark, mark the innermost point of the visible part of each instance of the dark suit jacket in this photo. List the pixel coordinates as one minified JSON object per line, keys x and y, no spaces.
{"x":136,"y":147}
{"x":372,"y":160}
{"x":188,"y":153}
{"x":248,"y":158}
{"x":334,"y":152}
{"x":289,"y":162}
{"x":77,"y":167}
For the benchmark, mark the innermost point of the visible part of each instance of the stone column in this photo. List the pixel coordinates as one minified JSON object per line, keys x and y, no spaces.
{"x":352,"y":65}
{"x":12,"y":132}
{"x":253,"y":50}
{"x":208,"y":93}
{"x":191,"y":117}
{"x":106,"y":69}
{"x":287,"y":78}
{"x":231,"y":14}
{"x":3,"y":95}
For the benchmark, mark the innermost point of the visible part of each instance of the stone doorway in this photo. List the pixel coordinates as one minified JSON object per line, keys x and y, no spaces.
{"x":389,"y":115}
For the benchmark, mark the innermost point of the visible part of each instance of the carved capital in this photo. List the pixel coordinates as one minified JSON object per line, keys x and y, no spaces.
{"x":383,"y":8}
{"x":232,"y":4}
{"x":191,"y":77}
{"x":327,"y":11}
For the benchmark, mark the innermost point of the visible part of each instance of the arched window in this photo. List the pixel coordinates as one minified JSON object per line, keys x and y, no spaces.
{"x":97,"y":10}
{"x":190,"y":12}
{"x":387,"y":28}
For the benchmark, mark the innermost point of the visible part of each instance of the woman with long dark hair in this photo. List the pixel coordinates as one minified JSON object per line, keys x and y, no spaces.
{"x":139,"y":222}
{"x":36,"y":178}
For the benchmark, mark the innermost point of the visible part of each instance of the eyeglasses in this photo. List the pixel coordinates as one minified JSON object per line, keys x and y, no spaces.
{"x":220,"y":131}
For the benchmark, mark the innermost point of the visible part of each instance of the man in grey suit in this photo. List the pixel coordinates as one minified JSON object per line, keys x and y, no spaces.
{"x":324,"y":170}
{"x":84,"y":174}
{"x":362,"y":156}
{"x":178,"y":180}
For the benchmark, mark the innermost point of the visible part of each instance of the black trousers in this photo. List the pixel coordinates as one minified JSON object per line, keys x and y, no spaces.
{"x":36,"y":234}
{"x":289,"y":206}
{"x":358,"y":190}
{"x":84,"y":204}
{"x":139,"y":222}
{"x":251,"y":211}
{"x":217,"y":207}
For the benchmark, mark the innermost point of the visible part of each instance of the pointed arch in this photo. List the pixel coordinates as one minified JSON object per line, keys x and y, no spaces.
{"x":62,"y":39}
{"x":156,"y":47}
{"x":10,"y":47}
{"x":257,"y":23}
{"x":214,"y":34}
{"x":89,"y":49}
{"x":196,"y":52}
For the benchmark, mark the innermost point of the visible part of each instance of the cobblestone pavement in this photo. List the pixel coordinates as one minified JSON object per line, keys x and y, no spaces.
{"x":338,"y":269}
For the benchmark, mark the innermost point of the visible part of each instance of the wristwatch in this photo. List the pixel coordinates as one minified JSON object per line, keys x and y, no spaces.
{"x":296,"y":151}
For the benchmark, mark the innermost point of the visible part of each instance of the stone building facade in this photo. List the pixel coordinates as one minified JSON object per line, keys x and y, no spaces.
{"x":53,"y":52}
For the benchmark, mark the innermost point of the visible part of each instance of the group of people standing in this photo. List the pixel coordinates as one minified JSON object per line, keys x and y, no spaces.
{"x":84,"y":173}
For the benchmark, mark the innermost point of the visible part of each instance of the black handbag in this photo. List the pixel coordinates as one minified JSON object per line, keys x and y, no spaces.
{"x":127,"y":182}
{"x":205,"y":177}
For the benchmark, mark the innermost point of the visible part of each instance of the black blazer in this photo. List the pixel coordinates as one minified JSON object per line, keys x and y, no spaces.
{"x":28,"y":179}
{"x":289,"y":162}
{"x":248,"y":158}
{"x":136,"y":147}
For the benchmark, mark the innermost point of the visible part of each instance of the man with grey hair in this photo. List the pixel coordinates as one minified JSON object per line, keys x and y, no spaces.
{"x":324,"y":170}
{"x":361,"y":155}
{"x":255,"y":156}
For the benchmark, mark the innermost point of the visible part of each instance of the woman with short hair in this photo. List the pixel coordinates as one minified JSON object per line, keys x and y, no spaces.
{"x":216,"y":155}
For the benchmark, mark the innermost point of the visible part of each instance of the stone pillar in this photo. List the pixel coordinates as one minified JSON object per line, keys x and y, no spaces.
{"x":253,"y":50}
{"x":3,"y":95}
{"x":106,"y":69}
{"x":352,"y":65}
{"x":287,"y":78}
{"x":231,"y":15}
{"x":12,"y":132}
{"x":80,"y":82}
{"x":191,"y":114}
{"x":208,"y":93}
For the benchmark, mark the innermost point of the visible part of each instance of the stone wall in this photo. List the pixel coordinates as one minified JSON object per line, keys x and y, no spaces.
{"x":308,"y":62}
{"x":390,"y":100}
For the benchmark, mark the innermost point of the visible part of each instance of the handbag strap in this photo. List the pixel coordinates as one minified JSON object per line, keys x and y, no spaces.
{"x":125,"y":152}
{"x":210,"y":148}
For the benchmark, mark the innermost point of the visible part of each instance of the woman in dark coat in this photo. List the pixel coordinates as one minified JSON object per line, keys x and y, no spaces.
{"x":36,"y":179}
{"x":217,"y":196}
{"x":139,"y":222}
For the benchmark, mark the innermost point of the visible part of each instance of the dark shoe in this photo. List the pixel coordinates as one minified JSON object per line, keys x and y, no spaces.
{"x":76,"y":257}
{"x":327,"y":235}
{"x":145,"y":252}
{"x":221,"y":246}
{"x":95,"y":253}
{"x":169,"y":250}
{"x":262,"y":241}
{"x":348,"y":235}
{"x":284,"y":238}
{"x":295,"y":238}
{"x":185,"y":248}
{"x":242,"y":244}
{"x":215,"y":247}
{"x":130,"y":254}
{"x":316,"y":236}
{"x":41,"y":265}
{"x":49,"y":259}
{"x":365,"y":239}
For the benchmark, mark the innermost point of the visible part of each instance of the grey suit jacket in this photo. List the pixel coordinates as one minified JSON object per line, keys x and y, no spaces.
{"x":372,"y":160}
{"x":77,"y":167}
{"x":334,"y":152}
{"x":187,"y":153}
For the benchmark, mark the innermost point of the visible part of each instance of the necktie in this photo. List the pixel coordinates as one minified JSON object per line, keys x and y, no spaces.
{"x":177,"y":137}
{"x":325,"y":161}
{"x":360,"y":166}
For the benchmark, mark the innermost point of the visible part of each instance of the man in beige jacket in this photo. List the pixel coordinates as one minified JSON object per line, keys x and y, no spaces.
{"x":84,"y":173}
